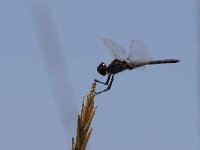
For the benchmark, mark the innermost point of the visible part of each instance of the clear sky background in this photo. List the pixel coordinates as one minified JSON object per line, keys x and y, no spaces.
{"x":49,"y":51}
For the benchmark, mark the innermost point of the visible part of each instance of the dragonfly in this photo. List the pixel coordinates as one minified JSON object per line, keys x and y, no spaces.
{"x":135,"y":57}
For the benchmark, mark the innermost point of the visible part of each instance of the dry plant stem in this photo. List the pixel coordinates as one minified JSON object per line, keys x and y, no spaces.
{"x":84,"y":121}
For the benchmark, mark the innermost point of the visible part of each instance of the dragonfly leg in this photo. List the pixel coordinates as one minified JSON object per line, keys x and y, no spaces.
{"x":108,"y":87}
{"x":106,"y":83}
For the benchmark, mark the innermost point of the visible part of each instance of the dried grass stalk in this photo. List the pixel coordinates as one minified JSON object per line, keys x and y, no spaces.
{"x":84,"y":121}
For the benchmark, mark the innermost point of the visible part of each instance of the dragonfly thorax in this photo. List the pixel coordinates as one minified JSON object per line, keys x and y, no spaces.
{"x":102,"y":69}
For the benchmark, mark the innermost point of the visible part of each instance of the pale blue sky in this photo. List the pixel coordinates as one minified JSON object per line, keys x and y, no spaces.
{"x":49,"y":51}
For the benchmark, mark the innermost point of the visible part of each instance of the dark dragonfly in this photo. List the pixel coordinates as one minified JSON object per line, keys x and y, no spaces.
{"x":136,"y":57}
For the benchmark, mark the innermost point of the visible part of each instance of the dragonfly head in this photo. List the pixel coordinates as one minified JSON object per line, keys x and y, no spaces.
{"x":102,"y":69}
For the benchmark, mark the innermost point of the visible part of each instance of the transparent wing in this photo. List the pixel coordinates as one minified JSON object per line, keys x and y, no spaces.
{"x":116,"y":51}
{"x":137,"y":53}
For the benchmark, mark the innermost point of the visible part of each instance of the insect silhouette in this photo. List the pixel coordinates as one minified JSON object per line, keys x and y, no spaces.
{"x":135,"y":57}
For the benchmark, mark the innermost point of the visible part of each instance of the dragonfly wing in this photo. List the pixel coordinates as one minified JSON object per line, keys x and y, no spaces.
{"x":137,"y":52}
{"x":116,"y":51}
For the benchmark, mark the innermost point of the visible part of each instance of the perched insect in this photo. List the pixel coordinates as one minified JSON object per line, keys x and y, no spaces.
{"x":136,"y":57}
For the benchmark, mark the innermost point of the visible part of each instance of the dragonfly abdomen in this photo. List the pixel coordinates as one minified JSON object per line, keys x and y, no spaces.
{"x":164,"y":61}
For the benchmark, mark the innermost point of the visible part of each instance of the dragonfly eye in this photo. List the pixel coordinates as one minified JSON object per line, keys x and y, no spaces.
{"x":102,"y":69}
